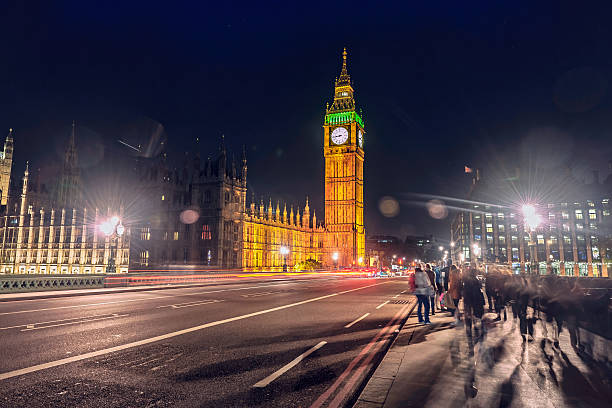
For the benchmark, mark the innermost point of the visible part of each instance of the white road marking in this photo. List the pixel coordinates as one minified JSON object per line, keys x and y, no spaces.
{"x":395,"y":296}
{"x":402,"y":291}
{"x":31,"y":325}
{"x":258,"y":294}
{"x":158,"y":367}
{"x":190,"y":304}
{"x":356,"y":320}
{"x":63,"y":361}
{"x":114,"y":316}
{"x":382,"y":304}
{"x":147,"y":362}
{"x":128,"y":300}
{"x":263,"y":383}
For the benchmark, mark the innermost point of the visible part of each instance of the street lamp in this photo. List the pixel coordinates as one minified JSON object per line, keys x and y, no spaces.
{"x":360,"y":260}
{"x":441,"y":248}
{"x":113,"y":229}
{"x":335,"y":258}
{"x":284,"y":252}
{"x":476,"y":248}
{"x":532,"y":220}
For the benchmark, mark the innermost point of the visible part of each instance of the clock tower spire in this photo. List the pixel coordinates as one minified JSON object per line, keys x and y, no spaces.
{"x":343,"y":139}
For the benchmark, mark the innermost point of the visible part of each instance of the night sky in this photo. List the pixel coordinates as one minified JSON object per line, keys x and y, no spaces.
{"x":441,"y":85}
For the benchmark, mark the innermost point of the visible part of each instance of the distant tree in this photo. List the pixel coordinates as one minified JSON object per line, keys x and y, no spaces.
{"x":308,"y":265}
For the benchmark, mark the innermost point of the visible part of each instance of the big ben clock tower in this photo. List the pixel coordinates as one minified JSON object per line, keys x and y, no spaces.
{"x":343,"y":144}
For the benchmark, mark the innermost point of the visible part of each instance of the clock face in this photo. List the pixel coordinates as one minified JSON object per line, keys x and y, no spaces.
{"x":360,"y":138}
{"x":339,"y":135}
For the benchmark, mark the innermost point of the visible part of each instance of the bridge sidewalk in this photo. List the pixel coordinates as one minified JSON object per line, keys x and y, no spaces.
{"x":431,"y":366}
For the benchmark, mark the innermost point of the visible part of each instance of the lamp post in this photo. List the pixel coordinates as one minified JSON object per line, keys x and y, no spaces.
{"x":113,"y":229}
{"x":532,"y":220}
{"x":284,"y":252}
{"x":452,"y":247}
{"x":335,"y":258}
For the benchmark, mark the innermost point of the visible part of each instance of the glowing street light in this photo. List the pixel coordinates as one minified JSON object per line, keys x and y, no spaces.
{"x":113,"y":229}
{"x":360,"y":260}
{"x":441,"y":248}
{"x":452,"y":244}
{"x":284,"y":252}
{"x":335,"y":258}
{"x":532,"y":220}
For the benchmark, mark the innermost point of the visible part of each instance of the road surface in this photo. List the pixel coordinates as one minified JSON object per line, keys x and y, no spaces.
{"x":268,"y":344}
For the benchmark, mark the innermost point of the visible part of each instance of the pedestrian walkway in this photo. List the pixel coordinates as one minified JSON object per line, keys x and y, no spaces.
{"x":434,"y":366}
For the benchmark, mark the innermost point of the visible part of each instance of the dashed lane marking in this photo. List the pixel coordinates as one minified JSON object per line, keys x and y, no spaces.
{"x":382,"y":304}
{"x":113,"y":316}
{"x":263,"y":383}
{"x":356,"y":320}
{"x":190,"y":304}
{"x":32,"y":325}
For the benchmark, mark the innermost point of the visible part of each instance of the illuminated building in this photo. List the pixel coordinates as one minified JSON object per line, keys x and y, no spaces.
{"x":62,"y":240}
{"x":343,"y":147}
{"x":266,"y":231}
{"x":198,"y":215}
{"x":572,"y":239}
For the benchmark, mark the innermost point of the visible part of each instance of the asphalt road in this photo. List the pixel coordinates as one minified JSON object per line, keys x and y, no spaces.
{"x":265,"y":344}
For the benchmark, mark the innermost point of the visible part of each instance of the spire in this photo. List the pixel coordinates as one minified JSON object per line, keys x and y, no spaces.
{"x":270,"y":210}
{"x":343,"y":92}
{"x":285,"y":214}
{"x":24,"y":188}
{"x":10,"y":135}
{"x":73,"y":135}
{"x":222,"y":144}
{"x":277,"y":215}
{"x":344,"y":78}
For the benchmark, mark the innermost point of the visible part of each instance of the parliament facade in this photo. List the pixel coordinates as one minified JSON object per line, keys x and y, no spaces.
{"x":197,"y":217}
{"x":52,"y":230}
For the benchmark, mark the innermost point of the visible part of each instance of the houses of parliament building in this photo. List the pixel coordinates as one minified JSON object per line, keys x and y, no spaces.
{"x":200,"y":215}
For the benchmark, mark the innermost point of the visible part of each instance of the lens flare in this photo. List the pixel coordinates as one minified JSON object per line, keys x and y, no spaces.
{"x":189,"y":216}
{"x":389,"y":207}
{"x":437,"y":209}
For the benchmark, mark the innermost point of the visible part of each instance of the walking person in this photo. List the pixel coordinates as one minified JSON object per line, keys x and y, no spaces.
{"x":432,"y":279}
{"x":455,"y":287}
{"x":473,"y":304}
{"x":422,"y":291}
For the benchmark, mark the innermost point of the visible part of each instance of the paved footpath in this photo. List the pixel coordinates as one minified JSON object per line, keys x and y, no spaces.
{"x":431,"y":366}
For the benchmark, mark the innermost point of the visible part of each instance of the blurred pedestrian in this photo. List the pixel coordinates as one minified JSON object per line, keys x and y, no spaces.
{"x":432,"y":279}
{"x":454,"y":288}
{"x":423,"y":292}
{"x":473,"y":304}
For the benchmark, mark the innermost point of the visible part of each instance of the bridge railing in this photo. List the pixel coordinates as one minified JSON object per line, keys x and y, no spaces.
{"x":35,"y":283}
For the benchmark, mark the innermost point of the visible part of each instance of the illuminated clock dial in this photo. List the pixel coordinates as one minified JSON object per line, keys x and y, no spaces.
{"x":360,"y":138}
{"x":339,"y":135}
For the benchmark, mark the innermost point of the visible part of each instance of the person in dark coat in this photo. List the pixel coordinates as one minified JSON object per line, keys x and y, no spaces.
{"x":473,"y":302}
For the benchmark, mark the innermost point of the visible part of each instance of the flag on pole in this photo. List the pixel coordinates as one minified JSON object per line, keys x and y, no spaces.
{"x":468,"y":169}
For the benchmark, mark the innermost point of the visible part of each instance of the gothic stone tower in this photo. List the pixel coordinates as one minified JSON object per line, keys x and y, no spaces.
{"x":6,"y":163}
{"x":343,"y":142}
{"x":68,"y":191}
